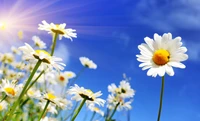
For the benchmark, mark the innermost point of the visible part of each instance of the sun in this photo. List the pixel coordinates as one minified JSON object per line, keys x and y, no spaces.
{"x":2,"y":25}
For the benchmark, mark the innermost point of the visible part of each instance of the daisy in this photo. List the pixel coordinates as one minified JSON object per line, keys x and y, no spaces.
{"x":51,"y":107}
{"x":10,"y":88}
{"x":15,"y":50}
{"x":62,"y":79}
{"x":114,"y":101}
{"x":58,"y":29}
{"x":161,"y":54}
{"x":96,"y":110}
{"x":80,"y":93}
{"x":60,"y":102}
{"x":38,"y":42}
{"x":34,"y":93}
{"x":87,"y":63}
{"x":124,"y":90}
{"x":70,"y":74}
{"x":42,"y":55}
{"x":3,"y":105}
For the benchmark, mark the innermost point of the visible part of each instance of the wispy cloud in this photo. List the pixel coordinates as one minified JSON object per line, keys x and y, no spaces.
{"x":123,"y":38}
{"x":168,"y":14}
{"x":193,"y":50}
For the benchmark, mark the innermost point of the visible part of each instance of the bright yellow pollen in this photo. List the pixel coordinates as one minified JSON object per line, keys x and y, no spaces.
{"x":161,"y":57}
{"x":89,"y":91}
{"x":62,"y":78}
{"x":50,"y":96}
{"x":1,"y":107}
{"x":30,"y":92}
{"x":96,"y":109}
{"x":10,"y":90}
{"x":42,"y":51}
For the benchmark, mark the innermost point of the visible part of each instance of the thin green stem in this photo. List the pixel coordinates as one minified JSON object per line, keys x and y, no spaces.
{"x":8,"y":115}
{"x":93,"y":116}
{"x":161,"y":98}
{"x":3,"y":98}
{"x":54,"y":43}
{"x":78,"y":109}
{"x":81,"y":71}
{"x":45,"y":108}
{"x":109,"y":119}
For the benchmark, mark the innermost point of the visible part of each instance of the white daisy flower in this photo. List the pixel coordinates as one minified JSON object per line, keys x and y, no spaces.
{"x":3,"y":105}
{"x":50,"y":77}
{"x":87,"y":63}
{"x":70,"y":74}
{"x":96,"y":109}
{"x":161,"y":54}
{"x":35,"y":55}
{"x":15,"y":50}
{"x":51,"y":107}
{"x":38,"y":42}
{"x":62,"y":79}
{"x":34,"y":93}
{"x":60,"y":102}
{"x":48,"y":119}
{"x":114,"y":100}
{"x":124,"y":90}
{"x":7,"y":58}
{"x":59,"y":29}
{"x":10,"y":88}
{"x":80,"y":93}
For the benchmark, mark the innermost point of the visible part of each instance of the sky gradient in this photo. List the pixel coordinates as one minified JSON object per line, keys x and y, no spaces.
{"x":109,"y":33}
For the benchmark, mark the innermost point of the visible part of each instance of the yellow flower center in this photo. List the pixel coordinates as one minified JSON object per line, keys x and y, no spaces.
{"x":45,"y":60}
{"x":96,"y":109}
{"x":10,"y":90}
{"x":51,"y":96}
{"x":30,"y":92}
{"x":161,"y":57}
{"x":62,"y":78}
{"x":58,"y":30}
{"x":69,"y":75}
{"x":87,"y":96}
{"x":1,"y":107}
{"x":42,"y":51}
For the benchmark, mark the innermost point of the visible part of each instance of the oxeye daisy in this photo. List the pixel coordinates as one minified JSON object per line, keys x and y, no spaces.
{"x":80,"y":93}
{"x":120,"y":102}
{"x":10,"y":88}
{"x":42,"y":55}
{"x":38,"y":42}
{"x":161,"y":54}
{"x":84,"y":95}
{"x":124,"y":90}
{"x":95,"y":109}
{"x":87,"y":63}
{"x":3,"y":105}
{"x":34,"y":93}
{"x":58,"y":29}
{"x":51,"y":107}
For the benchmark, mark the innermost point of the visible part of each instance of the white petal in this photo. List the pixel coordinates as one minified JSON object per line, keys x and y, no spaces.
{"x":176,"y":64}
{"x":169,"y":70}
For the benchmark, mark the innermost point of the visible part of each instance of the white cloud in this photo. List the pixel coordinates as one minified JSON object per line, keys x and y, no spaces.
{"x":193,"y":50}
{"x":169,"y":14}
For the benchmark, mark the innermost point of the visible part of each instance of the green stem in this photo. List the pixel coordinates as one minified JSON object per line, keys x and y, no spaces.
{"x":109,"y":119}
{"x":9,"y":113}
{"x":45,"y":108}
{"x":3,"y":98}
{"x":93,"y":116}
{"x":79,"y":109}
{"x":54,"y":43}
{"x":81,"y":71}
{"x":161,"y":98}
{"x":35,"y":80}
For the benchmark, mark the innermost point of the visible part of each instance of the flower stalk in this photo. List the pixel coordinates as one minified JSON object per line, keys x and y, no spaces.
{"x":55,"y":35}
{"x":78,"y":109}
{"x":110,"y":118}
{"x":8,"y":115}
{"x":161,"y":98}
{"x":45,"y":108}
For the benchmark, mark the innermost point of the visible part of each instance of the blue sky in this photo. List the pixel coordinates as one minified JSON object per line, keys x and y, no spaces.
{"x":109,"y":33}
